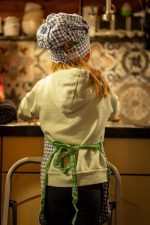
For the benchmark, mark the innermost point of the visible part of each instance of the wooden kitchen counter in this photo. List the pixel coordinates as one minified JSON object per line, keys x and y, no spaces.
{"x":127,"y":146}
{"x":113,"y":130}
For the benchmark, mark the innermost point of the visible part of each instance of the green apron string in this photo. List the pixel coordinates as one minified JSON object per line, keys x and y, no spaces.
{"x":62,"y":150}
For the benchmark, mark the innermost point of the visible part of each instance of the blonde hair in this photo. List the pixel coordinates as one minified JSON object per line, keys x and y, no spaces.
{"x":100,"y":86}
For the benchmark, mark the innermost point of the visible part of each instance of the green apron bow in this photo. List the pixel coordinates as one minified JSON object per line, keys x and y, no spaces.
{"x":62,"y":150}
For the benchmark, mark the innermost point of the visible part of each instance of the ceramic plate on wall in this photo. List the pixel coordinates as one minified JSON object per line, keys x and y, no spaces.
{"x":135,"y":102}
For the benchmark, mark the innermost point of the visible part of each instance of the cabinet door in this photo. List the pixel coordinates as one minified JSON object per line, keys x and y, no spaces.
{"x":136,"y":200}
{"x":25,"y":190}
{"x":130,"y":156}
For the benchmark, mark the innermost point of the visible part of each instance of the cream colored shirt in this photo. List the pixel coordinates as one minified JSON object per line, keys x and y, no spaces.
{"x":68,"y":110}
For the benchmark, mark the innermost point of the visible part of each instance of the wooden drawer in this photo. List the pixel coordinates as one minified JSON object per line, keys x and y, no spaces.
{"x":15,"y":148}
{"x":130,"y":156}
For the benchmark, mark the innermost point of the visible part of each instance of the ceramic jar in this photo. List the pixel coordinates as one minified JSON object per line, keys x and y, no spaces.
{"x":32,"y":18}
{"x":11,"y":26}
{"x":30,"y":27}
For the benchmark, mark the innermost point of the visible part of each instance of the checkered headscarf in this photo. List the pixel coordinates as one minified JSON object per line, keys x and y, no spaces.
{"x":65,"y":36}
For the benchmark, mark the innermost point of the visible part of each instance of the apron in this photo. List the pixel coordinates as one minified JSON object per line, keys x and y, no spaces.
{"x":53,"y":147}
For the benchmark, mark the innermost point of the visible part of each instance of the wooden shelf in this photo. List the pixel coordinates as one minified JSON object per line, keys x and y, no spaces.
{"x":101,"y":38}
{"x":17,"y":38}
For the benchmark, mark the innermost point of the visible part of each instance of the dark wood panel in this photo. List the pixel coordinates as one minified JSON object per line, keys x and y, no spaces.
{"x":61,"y":6}
{"x":13,"y":7}
{"x":16,"y":7}
{"x":136,"y":5}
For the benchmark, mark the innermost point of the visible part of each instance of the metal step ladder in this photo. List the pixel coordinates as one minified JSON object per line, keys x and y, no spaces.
{"x":115,"y":205}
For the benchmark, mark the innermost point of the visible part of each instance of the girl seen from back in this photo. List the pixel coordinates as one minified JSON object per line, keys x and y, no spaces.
{"x":73,"y":104}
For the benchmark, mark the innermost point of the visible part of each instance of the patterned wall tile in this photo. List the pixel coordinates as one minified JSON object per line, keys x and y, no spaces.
{"x":22,"y":64}
{"x":126,"y":65}
{"x":129,"y":77}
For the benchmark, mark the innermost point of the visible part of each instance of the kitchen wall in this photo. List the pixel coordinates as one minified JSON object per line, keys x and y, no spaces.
{"x":23,"y":63}
{"x":129,"y":77}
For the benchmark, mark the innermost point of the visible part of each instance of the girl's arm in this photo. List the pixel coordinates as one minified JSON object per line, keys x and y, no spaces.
{"x":28,"y":107}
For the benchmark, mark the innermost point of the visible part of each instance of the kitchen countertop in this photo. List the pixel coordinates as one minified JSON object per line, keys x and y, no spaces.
{"x":113,"y":130}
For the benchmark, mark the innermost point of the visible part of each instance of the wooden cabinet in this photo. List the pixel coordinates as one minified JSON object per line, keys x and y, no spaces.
{"x":132,"y":158}
{"x":26,"y":192}
{"x":0,"y":175}
{"x":26,"y":181}
{"x":136,"y":199}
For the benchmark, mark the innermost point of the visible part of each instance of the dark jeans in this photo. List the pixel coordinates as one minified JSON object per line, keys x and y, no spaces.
{"x":60,"y":211}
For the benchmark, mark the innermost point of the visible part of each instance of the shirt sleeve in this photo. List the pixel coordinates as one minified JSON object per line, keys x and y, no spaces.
{"x":28,"y":106}
{"x":115,"y":106}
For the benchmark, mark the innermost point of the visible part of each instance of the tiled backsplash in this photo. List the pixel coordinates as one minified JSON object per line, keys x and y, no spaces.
{"x":22,"y":64}
{"x":129,"y":76}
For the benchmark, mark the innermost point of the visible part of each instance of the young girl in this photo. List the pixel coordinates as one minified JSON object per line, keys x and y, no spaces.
{"x":73,"y":104}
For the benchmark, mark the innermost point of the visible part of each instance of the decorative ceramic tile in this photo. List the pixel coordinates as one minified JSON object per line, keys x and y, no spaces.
{"x":129,"y":77}
{"x":22,"y":64}
{"x":99,"y":58}
{"x":126,"y":65}
{"x":130,"y":60}
{"x":135,"y":102}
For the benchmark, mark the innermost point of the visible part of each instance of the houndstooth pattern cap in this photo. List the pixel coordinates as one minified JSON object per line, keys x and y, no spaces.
{"x":65,"y":36}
